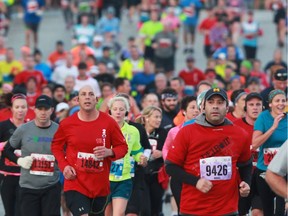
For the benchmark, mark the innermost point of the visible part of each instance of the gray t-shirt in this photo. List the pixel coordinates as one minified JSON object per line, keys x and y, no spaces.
{"x":166,"y":44}
{"x":279,"y":163}
{"x":34,"y":140}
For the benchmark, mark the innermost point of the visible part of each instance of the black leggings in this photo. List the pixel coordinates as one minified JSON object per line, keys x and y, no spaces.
{"x":10,"y":195}
{"x":267,"y":197}
{"x":154,"y":195}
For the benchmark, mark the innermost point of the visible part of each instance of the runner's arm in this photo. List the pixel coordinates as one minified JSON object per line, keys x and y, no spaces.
{"x":179,"y":174}
{"x":245,"y":171}
{"x":9,"y":153}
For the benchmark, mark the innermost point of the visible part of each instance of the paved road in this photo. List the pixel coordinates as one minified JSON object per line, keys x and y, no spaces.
{"x":52,"y":29}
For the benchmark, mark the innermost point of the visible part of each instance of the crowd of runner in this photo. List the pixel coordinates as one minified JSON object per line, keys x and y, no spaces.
{"x":107,"y":129}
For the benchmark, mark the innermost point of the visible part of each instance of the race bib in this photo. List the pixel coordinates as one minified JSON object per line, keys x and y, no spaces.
{"x":32,"y":6}
{"x":17,"y":152}
{"x":88,"y":162}
{"x":43,"y":164}
{"x":189,"y":11}
{"x":116,"y":169}
{"x":216,"y":168}
{"x":132,"y":164}
{"x":269,"y":154}
{"x":153,"y":144}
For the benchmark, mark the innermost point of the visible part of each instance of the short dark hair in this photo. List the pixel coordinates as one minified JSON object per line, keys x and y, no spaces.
{"x":58,"y":86}
{"x":181,"y":81}
{"x":186,"y":100}
{"x":119,"y":82}
{"x":105,"y":84}
{"x":82,"y":65}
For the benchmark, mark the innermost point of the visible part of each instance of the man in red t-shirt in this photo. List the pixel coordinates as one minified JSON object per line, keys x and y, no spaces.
{"x":253,"y":107}
{"x":207,"y":158}
{"x":29,"y":71}
{"x":191,"y":75}
{"x":84,"y":146}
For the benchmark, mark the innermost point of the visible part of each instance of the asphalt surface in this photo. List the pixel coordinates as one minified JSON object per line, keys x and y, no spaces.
{"x":53,"y":28}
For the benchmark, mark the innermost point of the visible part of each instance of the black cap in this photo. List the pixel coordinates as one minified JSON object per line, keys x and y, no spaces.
{"x":216,"y":91}
{"x":73,"y":94}
{"x":281,"y":74}
{"x":43,"y":101}
{"x":253,"y":95}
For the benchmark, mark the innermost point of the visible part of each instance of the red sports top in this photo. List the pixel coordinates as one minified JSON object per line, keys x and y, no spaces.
{"x":80,"y":136}
{"x":249,"y":129}
{"x":23,"y":77}
{"x":195,"y":142}
{"x":192,"y":78}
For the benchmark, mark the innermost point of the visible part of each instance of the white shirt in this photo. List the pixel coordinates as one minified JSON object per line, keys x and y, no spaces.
{"x":61,"y":72}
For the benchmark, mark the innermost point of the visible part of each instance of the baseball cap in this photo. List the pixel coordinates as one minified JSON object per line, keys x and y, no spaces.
{"x":73,"y":94}
{"x":43,"y":101}
{"x":216,"y":91}
{"x":281,"y":74}
{"x":62,"y":106}
{"x":253,"y":95}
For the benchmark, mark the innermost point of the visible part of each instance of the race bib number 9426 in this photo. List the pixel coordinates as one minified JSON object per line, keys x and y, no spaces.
{"x":216,"y":168}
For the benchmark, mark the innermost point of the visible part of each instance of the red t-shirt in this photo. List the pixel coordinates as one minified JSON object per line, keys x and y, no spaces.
{"x":31,"y":98}
{"x":249,"y":129}
{"x":23,"y":77}
{"x":6,"y":113}
{"x":207,"y":24}
{"x":195,"y":142}
{"x":192,"y":78}
{"x":81,"y":137}
{"x":231,"y":117}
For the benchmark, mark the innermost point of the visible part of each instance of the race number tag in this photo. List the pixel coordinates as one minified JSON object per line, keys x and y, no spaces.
{"x":88,"y":162}
{"x":32,"y":6}
{"x":132,"y":164}
{"x":153,"y":144}
{"x":117,"y":168}
{"x":216,"y":168}
{"x":43,"y":164}
{"x":269,"y":154}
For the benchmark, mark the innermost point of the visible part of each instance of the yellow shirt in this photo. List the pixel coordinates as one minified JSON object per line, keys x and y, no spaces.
{"x":9,"y":70}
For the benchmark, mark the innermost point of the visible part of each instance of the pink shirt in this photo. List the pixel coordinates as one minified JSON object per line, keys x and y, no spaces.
{"x":169,"y":140}
{"x":174,"y":21}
